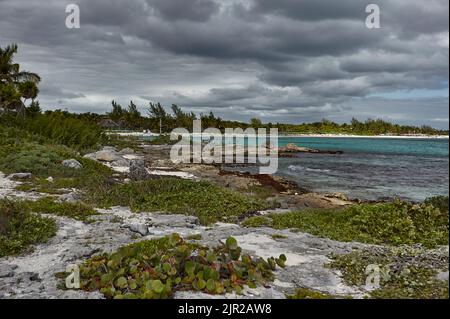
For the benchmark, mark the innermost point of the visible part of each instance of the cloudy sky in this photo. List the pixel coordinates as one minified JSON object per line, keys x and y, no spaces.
{"x":286,"y":60}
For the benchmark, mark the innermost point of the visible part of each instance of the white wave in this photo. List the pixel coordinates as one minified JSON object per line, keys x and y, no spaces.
{"x":299,"y":168}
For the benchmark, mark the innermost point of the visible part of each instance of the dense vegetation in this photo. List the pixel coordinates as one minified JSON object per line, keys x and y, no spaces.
{"x":57,"y":127}
{"x":405,"y":272}
{"x":21,"y":151}
{"x":157,"y":268}
{"x":19,"y":229}
{"x":159,"y":119}
{"x":46,"y":205}
{"x":394,"y":223}
{"x":210,"y":203}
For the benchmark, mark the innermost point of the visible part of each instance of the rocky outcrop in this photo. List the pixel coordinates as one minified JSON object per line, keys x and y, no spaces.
{"x":72,"y":163}
{"x":33,"y":275}
{"x":126,"y":151}
{"x":291,"y":149}
{"x":107,"y":154}
{"x":71,"y":197}
{"x":138,"y":171}
{"x":20,"y":176}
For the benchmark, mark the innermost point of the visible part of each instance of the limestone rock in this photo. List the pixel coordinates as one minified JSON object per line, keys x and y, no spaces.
{"x":126,"y":151}
{"x":139,"y":228}
{"x":293,"y":148}
{"x":138,"y":171}
{"x":72,"y":163}
{"x":69,"y":198}
{"x":107,"y":154}
{"x":442,"y":276}
{"x":121,"y":163}
{"x":20,"y":176}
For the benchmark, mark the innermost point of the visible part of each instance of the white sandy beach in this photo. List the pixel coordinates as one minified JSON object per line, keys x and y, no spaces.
{"x":149,"y":134}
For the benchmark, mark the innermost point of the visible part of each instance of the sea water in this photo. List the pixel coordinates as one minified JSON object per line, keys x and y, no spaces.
{"x":371,"y":168}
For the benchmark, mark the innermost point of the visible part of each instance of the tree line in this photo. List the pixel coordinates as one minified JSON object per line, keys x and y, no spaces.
{"x":18,"y":86}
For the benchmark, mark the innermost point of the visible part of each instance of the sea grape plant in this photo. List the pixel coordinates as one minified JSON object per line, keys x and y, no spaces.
{"x":157,"y":268}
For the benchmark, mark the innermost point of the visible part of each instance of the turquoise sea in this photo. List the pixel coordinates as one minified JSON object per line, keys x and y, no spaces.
{"x":371,"y":168}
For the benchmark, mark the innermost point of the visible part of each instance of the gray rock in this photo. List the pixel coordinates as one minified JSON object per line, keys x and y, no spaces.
{"x":72,"y":163}
{"x":7,"y":271}
{"x":139,"y":228}
{"x":105,"y":155}
{"x":126,"y":151}
{"x":138,"y":171}
{"x":69,"y":198}
{"x":175,"y":221}
{"x":442,"y":276}
{"x":121,"y":163}
{"x":20,"y":176}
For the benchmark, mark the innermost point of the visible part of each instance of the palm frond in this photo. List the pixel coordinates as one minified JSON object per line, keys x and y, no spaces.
{"x":26,"y":77}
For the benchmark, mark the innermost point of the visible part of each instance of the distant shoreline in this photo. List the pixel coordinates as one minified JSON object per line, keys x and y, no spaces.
{"x":368,"y":136}
{"x":312,"y":135}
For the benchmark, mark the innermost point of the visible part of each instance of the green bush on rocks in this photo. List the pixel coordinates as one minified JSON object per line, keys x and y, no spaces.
{"x":19,"y":229}
{"x":157,"y":268}
{"x":394,"y":223}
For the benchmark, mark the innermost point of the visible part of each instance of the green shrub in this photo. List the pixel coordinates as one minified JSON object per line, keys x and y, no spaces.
{"x":20,"y":229}
{"x":304,"y":293}
{"x":59,"y":128}
{"x":66,"y":130}
{"x":22,"y":154}
{"x":210,"y":203}
{"x":388,"y":223}
{"x":440,"y":202}
{"x":404,"y":272}
{"x":157,"y":268}
{"x":47,"y":205}
{"x":33,"y":158}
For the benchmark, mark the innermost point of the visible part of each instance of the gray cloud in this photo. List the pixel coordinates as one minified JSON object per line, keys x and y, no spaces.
{"x":194,"y":10}
{"x":284,"y":60}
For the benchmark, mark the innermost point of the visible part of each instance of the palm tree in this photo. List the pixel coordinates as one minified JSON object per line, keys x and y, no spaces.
{"x":14,"y":83}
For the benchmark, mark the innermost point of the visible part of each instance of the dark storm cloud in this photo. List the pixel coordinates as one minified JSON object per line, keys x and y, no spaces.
{"x":194,"y":10}
{"x":284,"y":60}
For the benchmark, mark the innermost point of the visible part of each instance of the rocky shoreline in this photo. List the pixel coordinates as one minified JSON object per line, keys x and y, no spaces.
{"x":33,"y":275}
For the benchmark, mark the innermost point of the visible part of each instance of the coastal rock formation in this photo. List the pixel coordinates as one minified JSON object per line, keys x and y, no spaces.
{"x":33,"y":275}
{"x":291,"y":149}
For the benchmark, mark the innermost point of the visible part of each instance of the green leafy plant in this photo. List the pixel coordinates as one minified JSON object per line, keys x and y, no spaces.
{"x":157,"y":268}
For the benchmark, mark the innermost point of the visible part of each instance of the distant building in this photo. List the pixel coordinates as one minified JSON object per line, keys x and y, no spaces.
{"x":107,"y":123}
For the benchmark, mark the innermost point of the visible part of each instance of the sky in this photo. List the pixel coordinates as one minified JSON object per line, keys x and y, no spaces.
{"x":289,"y":61}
